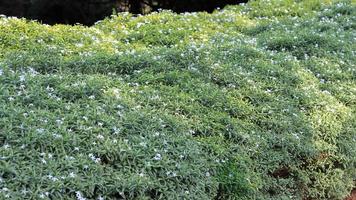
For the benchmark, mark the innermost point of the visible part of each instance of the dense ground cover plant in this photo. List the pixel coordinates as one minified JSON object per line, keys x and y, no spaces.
{"x":251,"y":102}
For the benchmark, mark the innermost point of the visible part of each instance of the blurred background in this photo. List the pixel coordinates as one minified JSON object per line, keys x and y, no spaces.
{"x":88,"y":12}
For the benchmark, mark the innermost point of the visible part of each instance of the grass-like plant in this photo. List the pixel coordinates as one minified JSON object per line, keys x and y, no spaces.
{"x":256,"y":101}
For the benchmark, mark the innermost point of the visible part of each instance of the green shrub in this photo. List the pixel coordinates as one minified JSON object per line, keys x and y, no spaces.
{"x":255,"y":101}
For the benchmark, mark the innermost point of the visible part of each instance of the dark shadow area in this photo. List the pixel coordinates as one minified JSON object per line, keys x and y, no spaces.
{"x":87,"y":12}
{"x":180,"y":6}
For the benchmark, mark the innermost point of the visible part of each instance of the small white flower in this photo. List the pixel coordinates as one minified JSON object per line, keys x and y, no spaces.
{"x":116,"y":130}
{"x":326,"y":92}
{"x":33,"y":71}
{"x":158,"y":157}
{"x":296,"y":135}
{"x":79,"y":45}
{"x":40,"y":130}
{"x":59,"y":122}
{"x":268,"y":91}
{"x":72,"y":175}
{"x":57,"y":136}
{"x":69,"y":157}
{"x":52,"y":178}
{"x":116,"y":93}
{"x":22,"y":78}
{"x":95,"y":159}
{"x":79,"y":196}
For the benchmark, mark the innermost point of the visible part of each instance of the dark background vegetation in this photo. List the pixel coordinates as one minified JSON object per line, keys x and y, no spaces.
{"x":89,"y":11}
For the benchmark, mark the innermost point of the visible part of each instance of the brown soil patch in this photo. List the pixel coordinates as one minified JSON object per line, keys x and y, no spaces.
{"x":352,"y":196}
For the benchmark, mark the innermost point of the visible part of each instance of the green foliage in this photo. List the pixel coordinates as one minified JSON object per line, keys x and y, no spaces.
{"x":255,"y":101}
